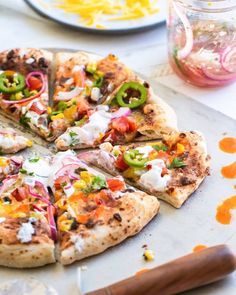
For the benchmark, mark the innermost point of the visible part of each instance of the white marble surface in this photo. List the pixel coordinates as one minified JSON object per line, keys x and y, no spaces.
{"x":144,"y":52}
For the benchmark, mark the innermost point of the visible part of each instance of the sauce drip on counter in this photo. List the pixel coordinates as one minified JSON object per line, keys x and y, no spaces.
{"x":228,"y":145}
{"x":229,"y":171}
{"x":199,"y":248}
{"x":223,"y":214}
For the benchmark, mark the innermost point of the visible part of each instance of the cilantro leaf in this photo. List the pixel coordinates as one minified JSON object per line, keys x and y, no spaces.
{"x":98,"y":183}
{"x":177,"y":163}
{"x":62,"y":106}
{"x":24,"y":171}
{"x":72,"y":134}
{"x":160,"y":147}
{"x":34,"y":160}
{"x":24,"y":120}
{"x":98,"y":83}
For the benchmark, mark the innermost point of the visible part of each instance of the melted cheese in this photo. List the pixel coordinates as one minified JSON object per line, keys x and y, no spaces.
{"x":40,"y":169}
{"x":91,"y":11}
{"x":25,"y":232}
{"x":145,"y":150}
{"x":88,"y":133}
{"x":153,"y":178}
{"x":78,"y":242}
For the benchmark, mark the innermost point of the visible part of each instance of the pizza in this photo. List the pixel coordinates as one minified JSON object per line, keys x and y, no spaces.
{"x":10,"y":166}
{"x":83,"y":80}
{"x":11,"y":143}
{"x":95,"y":212}
{"x":24,"y":75}
{"x":171,"y":169}
{"x":132,"y":113}
{"x":27,"y":225}
{"x":57,"y":203}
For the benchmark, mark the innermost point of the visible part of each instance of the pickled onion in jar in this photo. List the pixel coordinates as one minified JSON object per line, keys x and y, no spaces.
{"x":202,"y":51}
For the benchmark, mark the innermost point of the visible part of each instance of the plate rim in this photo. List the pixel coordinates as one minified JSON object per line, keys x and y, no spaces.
{"x":78,"y":27}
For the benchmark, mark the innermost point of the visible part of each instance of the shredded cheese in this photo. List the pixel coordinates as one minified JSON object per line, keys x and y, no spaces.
{"x":93,"y":11}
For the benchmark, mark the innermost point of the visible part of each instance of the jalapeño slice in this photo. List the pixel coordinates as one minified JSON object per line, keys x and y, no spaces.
{"x":11,"y":82}
{"x":135,"y":159}
{"x":134,"y":93}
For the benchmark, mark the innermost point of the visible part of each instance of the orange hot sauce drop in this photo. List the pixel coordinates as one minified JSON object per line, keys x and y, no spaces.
{"x":199,"y":248}
{"x":141,"y":271}
{"x":228,"y":145}
{"x":223,"y":214}
{"x":229,"y":171}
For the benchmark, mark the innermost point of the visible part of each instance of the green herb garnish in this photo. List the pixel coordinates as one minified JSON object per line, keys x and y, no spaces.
{"x":98,"y":183}
{"x":62,"y":106}
{"x":24,"y":120}
{"x":177,"y":163}
{"x":34,"y":160}
{"x":161,"y":147}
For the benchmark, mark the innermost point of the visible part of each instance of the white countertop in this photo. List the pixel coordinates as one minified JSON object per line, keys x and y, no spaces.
{"x":144,"y":52}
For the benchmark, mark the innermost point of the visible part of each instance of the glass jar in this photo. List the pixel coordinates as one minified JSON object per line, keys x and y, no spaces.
{"x":202,"y":41}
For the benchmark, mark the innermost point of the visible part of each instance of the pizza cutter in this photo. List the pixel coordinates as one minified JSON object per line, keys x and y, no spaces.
{"x":183,"y":274}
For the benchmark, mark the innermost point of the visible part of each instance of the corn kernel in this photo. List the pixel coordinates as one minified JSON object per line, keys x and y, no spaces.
{"x":19,"y":95}
{"x":79,"y":184}
{"x":49,"y":110}
{"x":62,"y":204}
{"x":3,"y":162}
{"x":65,"y":225}
{"x":148,"y":255}
{"x":19,"y":215}
{"x":86,"y":176}
{"x":180,"y":148}
{"x":58,"y":116}
{"x":29,"y":143}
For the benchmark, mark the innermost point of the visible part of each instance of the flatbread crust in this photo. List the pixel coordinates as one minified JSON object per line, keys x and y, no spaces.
{"x":136,"y":210}
{"x":183,"y":181}
{"x":13,"y":253}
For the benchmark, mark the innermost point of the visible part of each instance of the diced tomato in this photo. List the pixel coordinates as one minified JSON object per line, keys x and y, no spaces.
{"x":60,"y":181}
{"x":76,"y":197}
{"x":124,"y":124}
{"x":115,"y":184}
{"x":79,"y":78}
{"x":120,"y":163}
{"x":20,"y":194}
{"x":82,"y":106}
{"x":23,"y":208}
{"x":109,"y":136}
{"x":83,"y":218}
{"x":38,"y":108}
{"x":162,"y":155}
{"x":35,"y":83}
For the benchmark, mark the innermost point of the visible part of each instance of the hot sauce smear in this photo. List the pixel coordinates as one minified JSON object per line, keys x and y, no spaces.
{"x":199,"y":248}
{"x":228,"y":145}
{"x":223,"y":214}
{"x":229,"y":171}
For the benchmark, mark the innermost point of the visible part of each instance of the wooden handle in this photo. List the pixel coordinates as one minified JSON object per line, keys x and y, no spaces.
{"x":186,"y":273}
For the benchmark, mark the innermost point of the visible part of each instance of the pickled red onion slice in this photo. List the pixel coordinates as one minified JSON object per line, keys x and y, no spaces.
{"x":186,"y":50}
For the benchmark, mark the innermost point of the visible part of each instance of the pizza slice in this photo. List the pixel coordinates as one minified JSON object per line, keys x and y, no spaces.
{"x":27,"y":226}
{"x":171,"y":169}
{"x":132,"y":113}
{"x":83,"y":80}
{"x":24,"y":87}
{"x":94,"y":212}
{"x":11,"y":143}
{"x":10,"y":166}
